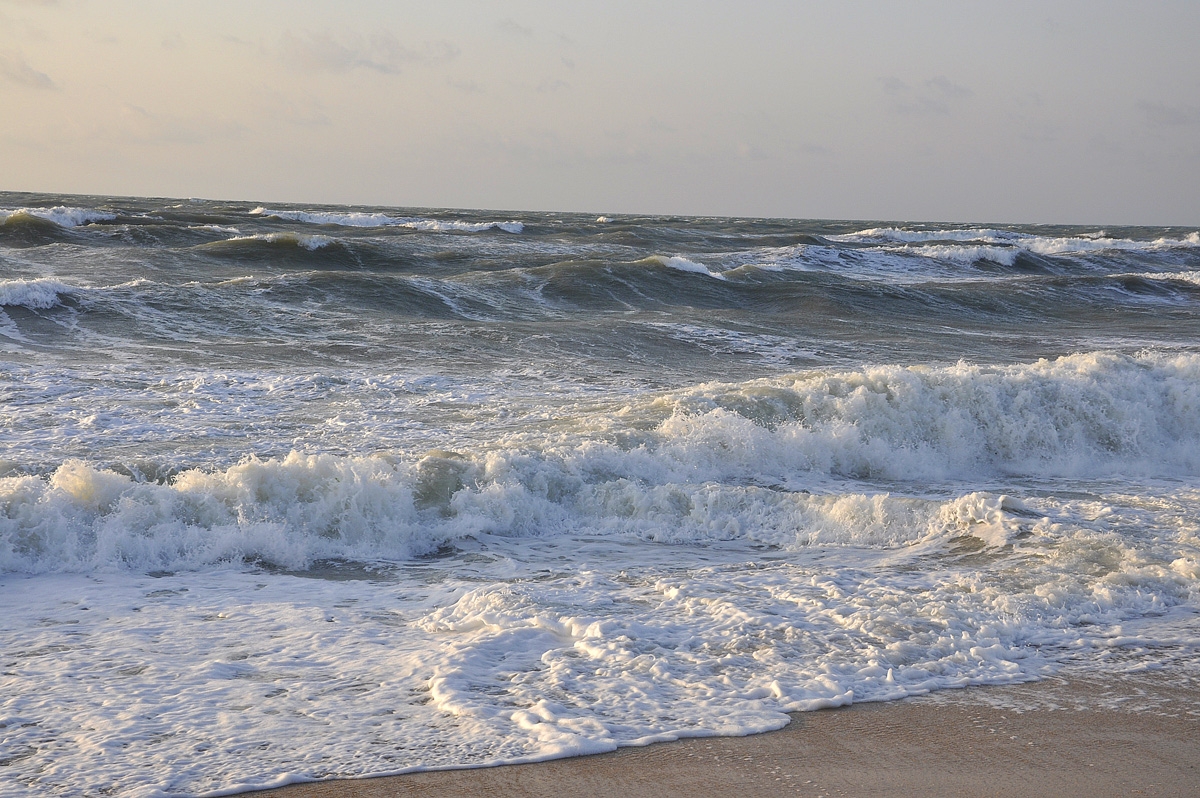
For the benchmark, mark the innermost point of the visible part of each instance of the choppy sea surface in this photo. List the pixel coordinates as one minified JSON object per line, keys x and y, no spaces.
{"x":303,"y":492}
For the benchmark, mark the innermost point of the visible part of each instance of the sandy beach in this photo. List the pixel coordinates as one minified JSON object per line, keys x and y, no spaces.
{"x":1138,"y":735}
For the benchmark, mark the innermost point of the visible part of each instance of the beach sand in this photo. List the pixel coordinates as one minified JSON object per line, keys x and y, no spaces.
{"x":1133,"y":735}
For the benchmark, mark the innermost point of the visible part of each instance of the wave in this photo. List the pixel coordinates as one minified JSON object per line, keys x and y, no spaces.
{"x":779,"y":462}
{"x":683,"y":265}
{"x":893,"y":264}
{"x":38,"y":294}
{"x":288,"y":240}
{"x":1189,"y":278}
{"x":60,"y":215}
{"x":901,"y":235}
{"x":1040,"y":245}
{"x":357,"y":219}
{"x":293,"y":511}
{"x":297,"y":248}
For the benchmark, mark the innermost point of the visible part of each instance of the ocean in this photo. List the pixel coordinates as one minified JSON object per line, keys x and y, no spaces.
{"x":294,"y":492}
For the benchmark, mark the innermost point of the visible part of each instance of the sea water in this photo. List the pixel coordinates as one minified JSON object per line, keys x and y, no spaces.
{"x":303,"y":492}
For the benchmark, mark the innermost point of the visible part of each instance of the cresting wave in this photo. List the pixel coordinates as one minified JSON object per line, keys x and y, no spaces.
{"x":353,"y":219}
{"x":37,"y":294}
{"x":773,"y":461}
{"x":1043,"y":245}
{"x":61,"y":215}
{"x":283,"y":240}
{"x":683,"y":265}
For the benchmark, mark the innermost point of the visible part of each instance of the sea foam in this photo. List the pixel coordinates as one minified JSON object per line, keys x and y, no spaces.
{"x":355,"y":219}
{"x":1042,"y":245}
{"x":37,"y":294}
{"x":61,"y":215}
{"x":765,"y":460}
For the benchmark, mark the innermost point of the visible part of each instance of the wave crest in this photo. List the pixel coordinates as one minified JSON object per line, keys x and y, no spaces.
{"x":358,"y":219}
{"x":61,"y":215}
{"x":38,"y":294}
{"x":717,"y":462}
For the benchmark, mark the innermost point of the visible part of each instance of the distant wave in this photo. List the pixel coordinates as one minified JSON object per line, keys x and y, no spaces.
{"x":60,"y":215}
{"x":1041,"y":245}
{"x":898,"y":234}
{"x":341,"y":219}
{"x":303,"y":241}
{"x":1188,"y":277}
{"x":354,"y":219}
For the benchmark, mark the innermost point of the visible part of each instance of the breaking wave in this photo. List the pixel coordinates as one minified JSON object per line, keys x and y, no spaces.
{"x":38,"y":294}
{"x":777,"y":461}
{"x":356,"y":219}
{"x":1040,"y":245}
{"x":60,"y":215}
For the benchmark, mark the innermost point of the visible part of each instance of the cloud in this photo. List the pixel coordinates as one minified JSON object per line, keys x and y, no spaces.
{"x":466,"y":86}
{"x":951,"y":91}
{"x":511,"y":26}
{"x":300,"y":113}
{"x":136,"y":124}
{"x":1168,"y":115}
{"x":14,"y":68}
{"x":380,"y":52}
{"x":935,"y":97}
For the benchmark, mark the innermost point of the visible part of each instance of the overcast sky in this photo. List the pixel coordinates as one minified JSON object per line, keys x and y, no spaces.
{"x":1050,"y":111}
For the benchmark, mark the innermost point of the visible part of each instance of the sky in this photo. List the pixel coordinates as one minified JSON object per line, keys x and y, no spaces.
{"x":1041,"y":112}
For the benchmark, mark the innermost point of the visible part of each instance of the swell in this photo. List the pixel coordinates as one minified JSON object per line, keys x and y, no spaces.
{"x":22,"y":229}
{"x":639,"y":312}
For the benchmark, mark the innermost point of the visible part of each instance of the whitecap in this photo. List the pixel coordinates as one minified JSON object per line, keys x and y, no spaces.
{"x":684,"y":265}
{"x":358,"y":219}
{"x":62,"y":215}
{"x":38,"y":294}
{"x":306,"y":241}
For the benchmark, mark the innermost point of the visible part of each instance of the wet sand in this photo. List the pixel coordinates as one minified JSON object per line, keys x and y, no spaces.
{"x":1132,"y":736}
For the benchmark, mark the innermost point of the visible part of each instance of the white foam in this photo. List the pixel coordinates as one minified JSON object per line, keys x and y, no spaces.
{"x":356,"y":219}
{"x":696,"y":466}
{"x":62,"y":215}
{"x":892,"y":264}
{"x":967,"y":255}
{"x":38,"y":294}
{"x":341,"y":219}
{"x":684,"y":265}
{"x":1065,"y":246}
{"x":509,"y":652}
{"x":306,"y":241}
{"x":449,"y":225}
{"x":931,"y":242}
{"x":217,"y":228}
{"x":902,"y":235}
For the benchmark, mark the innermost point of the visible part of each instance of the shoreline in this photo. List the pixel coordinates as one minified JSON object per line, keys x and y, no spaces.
{"x":1087,"y":737}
